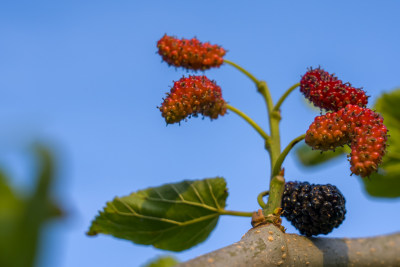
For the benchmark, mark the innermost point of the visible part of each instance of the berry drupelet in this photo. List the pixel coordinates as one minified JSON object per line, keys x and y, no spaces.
{"x":313,"y":209}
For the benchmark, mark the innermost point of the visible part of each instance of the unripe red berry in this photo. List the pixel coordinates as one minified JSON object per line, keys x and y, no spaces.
{"x":190,"y":54}
{"x":326,"y":132}
{"x":326,"y":91}
{"x":368,"y":143}
{"x":192,"y":96}
{"x":361,"y":128}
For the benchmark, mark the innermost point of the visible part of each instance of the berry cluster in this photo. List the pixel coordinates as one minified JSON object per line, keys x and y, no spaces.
{"x":361,"y":128}
{"x":190,"y":54}
{"x":192,"y":96}
{"x":326,"y":91}
{"x":313,"y":209}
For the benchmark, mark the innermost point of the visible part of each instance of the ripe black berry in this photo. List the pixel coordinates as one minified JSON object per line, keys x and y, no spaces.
{"x":313,"y":209}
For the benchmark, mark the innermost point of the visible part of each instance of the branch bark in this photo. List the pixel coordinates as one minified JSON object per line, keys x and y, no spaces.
{"x":266,"y":245}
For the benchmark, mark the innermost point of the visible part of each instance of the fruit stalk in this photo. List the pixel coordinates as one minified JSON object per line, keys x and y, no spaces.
{"x":278,"y":164}
{"x":284,"y":96}
{"x":249,"y":121}
{"x":244,"y":71}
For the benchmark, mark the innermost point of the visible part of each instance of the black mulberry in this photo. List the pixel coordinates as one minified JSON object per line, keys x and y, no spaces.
{"x":313,"y":209}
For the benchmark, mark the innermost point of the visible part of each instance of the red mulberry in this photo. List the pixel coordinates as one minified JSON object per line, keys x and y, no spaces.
{"x":368,"y":142}
{"x":190,"y":54}
{"x":361,"y":128}
{"x":326,"y":91}
{"x":328,"y":132}
{"x":192,"y":96}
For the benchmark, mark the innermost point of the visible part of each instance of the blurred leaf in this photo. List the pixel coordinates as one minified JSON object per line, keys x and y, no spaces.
{"x":165,"y":261}
{"x":22,"y":218}
{"x":172,"y":217}
{"x":11,"y":209}
{"x":309,"y":157}
{"x":386,"y":183}
{"x":38,"y":208}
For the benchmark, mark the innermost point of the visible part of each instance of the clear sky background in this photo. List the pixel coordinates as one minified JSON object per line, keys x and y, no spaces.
{"x":85,"y":76}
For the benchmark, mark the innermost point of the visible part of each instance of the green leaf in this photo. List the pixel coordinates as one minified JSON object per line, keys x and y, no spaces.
{"x":386,"y":182}
{"x":172,"y":217}
{"x":165,"y":261}
{"x":309,"y":157}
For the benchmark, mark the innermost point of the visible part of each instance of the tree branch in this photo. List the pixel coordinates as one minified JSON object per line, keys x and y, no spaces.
{"x":266,"y":245}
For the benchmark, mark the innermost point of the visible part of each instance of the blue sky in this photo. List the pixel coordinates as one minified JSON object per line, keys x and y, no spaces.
{"x":85,"y":75}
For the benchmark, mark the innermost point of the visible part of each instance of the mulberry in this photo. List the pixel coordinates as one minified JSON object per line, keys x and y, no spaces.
{"x":190,"y":54}
{"x":313,"y":209}
{"x":326,"y":91}
{"x":328,"y":132}
{"x":368,"y":141}
{"x":192,"y":96}
{"x":361,"y":128}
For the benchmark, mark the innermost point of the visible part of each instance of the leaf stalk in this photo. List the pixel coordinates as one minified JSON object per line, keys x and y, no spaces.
{"x":236,"y":213}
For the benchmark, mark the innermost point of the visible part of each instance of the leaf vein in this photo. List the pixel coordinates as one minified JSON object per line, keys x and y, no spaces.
{"x":158,"y":193}
{"x":177,"y":192}
{"x":135,"y":214}
{"x":197,"y":193}
{"x":213,"y":196}
{"x":172,"y":227}
{"x":174,"y":201}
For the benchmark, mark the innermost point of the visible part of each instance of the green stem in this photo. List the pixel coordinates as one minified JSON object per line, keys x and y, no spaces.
{"x":284,"y":96}
{"x":249,"y":121}
{"x":272,"y":143}
{"x":274,"y":149}
{"x":236,"y":213}
{"x":285,"y":152}
{"x":264,"y":91}
{"x":260,"y":199}
{"x":277,"y":186}
{"x":275,"y":138}
{"x":277,"y":183}
{"x":248,"y":74}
